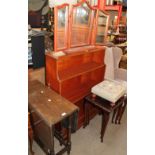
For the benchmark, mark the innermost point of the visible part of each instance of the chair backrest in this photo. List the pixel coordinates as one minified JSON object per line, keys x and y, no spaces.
{"x":112,"y":58}
{"x":117,"y":55}
{"x":109,"y":61}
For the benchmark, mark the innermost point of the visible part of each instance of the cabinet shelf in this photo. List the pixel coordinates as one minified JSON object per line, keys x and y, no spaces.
{"x":78,"y":70}
{"x":102,"y":16}
{"x":112,"y":7}
{"x":76,"y":88}
{"x":103,"y":25}
{"x":101,"y":35}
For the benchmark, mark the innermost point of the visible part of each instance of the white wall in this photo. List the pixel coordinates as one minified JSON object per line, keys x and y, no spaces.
{"x":52,"y":3}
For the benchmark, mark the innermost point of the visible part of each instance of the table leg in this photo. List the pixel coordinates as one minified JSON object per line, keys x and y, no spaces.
{"x":119,"y":109}
{"x":114,"y":115}
{"x":105,"y":119}
{"x":122,"y":110}
{"x":51,"y":151}
{"x":69,"y":136}
{"x":86,"y":113}
{"x":30,"y":134}
{"x":31,"y":141}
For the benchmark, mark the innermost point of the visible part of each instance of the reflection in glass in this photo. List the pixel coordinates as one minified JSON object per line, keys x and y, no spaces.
{"x":102,"y":22}
{"x":113,"y":17}
{"x":80,"y":29}
{"x":61,"y":17}
{"x":61,"y":27}
{"x":81,"y":15}
{"x":99,"y":39}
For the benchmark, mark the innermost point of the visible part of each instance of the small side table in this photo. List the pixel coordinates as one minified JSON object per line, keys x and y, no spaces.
{"x":106,"y":108}
{"x":47,"y":108}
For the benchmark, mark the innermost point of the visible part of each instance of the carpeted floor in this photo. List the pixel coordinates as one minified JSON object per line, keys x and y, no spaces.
{"x":87,"y":141}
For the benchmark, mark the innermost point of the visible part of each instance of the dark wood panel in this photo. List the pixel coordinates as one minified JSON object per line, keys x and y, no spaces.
{"x":47,"y":101}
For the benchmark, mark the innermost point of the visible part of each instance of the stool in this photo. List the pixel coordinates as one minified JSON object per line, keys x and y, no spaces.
{"x":112,"y":91}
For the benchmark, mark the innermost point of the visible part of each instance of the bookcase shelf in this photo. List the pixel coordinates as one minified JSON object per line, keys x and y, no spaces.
{"x":112,"y":7}
{"x":80,"y":85}
{"x":78,"y":70}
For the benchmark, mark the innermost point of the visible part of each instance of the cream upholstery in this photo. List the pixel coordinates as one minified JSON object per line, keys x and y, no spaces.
{"x":109,"y":61}
{"x":112,"y":58}
{"x":114,"y":84}
{"x":110,"y":90}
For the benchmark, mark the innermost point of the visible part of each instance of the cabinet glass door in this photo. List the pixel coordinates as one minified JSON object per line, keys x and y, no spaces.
{"x":102,"y":27}
{"x":81,"y":24}
{"x":61,"y":27}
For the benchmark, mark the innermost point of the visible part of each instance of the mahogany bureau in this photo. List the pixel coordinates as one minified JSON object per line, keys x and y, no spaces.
{"x":74,"y":74}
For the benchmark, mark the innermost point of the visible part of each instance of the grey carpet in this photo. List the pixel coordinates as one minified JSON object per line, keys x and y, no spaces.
{"x":87,"y":141}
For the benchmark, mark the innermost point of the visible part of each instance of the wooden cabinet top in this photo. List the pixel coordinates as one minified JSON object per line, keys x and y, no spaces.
{"x":75,"y":51}
{"x":51,"y":107}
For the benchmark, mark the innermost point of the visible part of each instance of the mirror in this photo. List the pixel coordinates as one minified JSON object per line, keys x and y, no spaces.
{"x":61,"y":27}
{"x":102,"y":27}
{"x":61,"y":17}
{"x":81,"y":15}
{"x":81,"y":24}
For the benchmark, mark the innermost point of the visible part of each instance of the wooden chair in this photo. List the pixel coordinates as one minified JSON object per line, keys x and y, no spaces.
{"x":112,"y":59}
